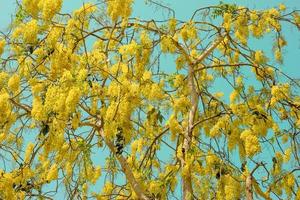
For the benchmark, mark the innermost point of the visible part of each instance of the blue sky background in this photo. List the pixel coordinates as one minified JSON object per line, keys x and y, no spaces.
{"x":184,"y":10}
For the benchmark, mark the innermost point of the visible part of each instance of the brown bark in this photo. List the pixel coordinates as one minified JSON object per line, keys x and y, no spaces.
{"x":187,"y":180}
{"x":249,"y":191}
{"x":125,"y":168}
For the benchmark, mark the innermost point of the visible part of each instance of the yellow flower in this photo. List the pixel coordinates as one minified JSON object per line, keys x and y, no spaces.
{"x":52,"y":173}
{"x":30,"y":31}
{"x":253,"y":16}
{"x":3,"y":79}
{"x":37,"y":111}
{"x":290,"y":180}
{"x":129,"y":49}
{"x":167,"y":44}
{"x":278,"y":55}
{"x":82,"y":74}
{"x":174,"y":126}
{"x":31,"y":6}
{"x":211,"y":159}
{"x":72,"y":99}
{"x":227,"y":21}
{"x":259,"y":57}
{"x":232,"y":188}
{"x":188,"y":31}
{"x":69,"y":169}
{"x":147,"y":76}
{"x":28,"y":152}
{"x":251,"y":142}
{"x":2,"y":45}
{"x":172,"y":25}
{"x":50,"y":8}
{"x":181,"y":103}
{"x":96,"y":174}
{"x":282,"y":7}
{"x":279,"y":92}
{"x":287,"y":155}
{"x":298,"y":194}
{"x":14,"y":83}
{"x":117,"y":8}
{"x":145,"y":39}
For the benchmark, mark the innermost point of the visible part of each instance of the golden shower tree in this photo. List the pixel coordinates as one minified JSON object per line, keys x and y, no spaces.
{"x":89,"y":85}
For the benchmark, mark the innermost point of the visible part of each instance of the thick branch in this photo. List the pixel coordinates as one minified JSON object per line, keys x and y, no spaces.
{"x":23,"y":106}
{"x":249,"y":182}
{"x":187,"y":180}
{"x":209,"y":50}
{"x":249,"y":192}
{"x":125,"y":168}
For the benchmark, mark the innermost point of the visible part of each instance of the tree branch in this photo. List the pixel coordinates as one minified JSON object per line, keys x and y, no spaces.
{"x":125,"y":167}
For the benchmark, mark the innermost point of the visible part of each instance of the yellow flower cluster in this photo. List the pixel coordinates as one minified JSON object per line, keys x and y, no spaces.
{"x":259,"y":57}
{"x":234,"y":136}
{"x":145,"y":39}
{"x":117,"y":8}
{"x":153,"y":92}
{"x":52,"y":173}
{"x":49,"y":8}
{"x":147,"y":75}
{"x":233,"y":96}
{"x":32,"y":7}
{"x":28,"y":152}
{"x":5,"y":106}
{"x":277,"y":166}
{"x":172,"y":25}
{"x":2,"y":45}
{"x":72,"y":99}
{"x":17,"y":177}
{"x":181,"y":104}
{"x":129,"y":49}
{"x":257,"y":27}
{"x":188,"y":31}
{"x":271,"y":18}
{"x":297,"y":18}
{"x":31,"y":30}
{"x":263,"y":22}
{"x":53,"y":36}
{"x":288,"y":185}
{"x":279,"y":92}
{"x":179,"y":80}
{"x":28,"y":32}
{"x":167,"y":44}
{"x":174,"y":126}
{"x":227,"y":17}
{"x":91,"y":173}
{"x":278,"y":55}
{"x":287,"y":155}
{"x":298,"y":194}
{"x":38,"y":111}
{"x":251,"y":142}
{"x":86,"y":10}
{"x":232,"y":188}
{"x":241,"y":28}
{"x":14,"y":83}
{"x":137,"y":146}
{"x":220,"y":126}
{"x":282,"y":7}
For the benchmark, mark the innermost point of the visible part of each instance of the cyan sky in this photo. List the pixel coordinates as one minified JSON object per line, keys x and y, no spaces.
{"x":183,"y":9}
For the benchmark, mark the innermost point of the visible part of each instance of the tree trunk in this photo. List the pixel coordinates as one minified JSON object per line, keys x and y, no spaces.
{"x":249,"y":191}
{"x":125,"y":168}
{"x":188,"y":136}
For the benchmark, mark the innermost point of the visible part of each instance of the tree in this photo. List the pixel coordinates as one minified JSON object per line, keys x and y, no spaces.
{"x":76,"y":87}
